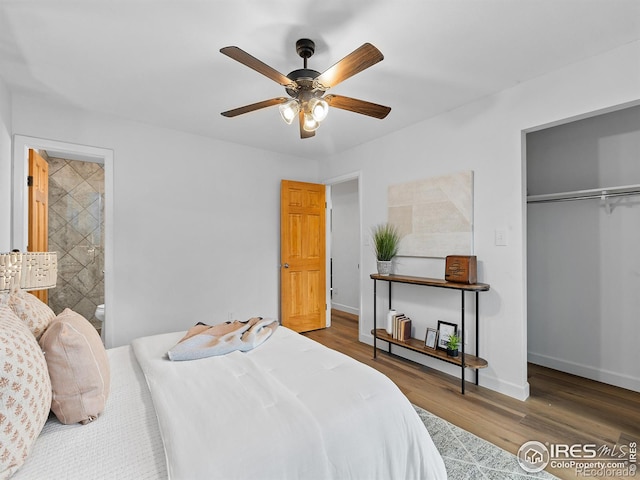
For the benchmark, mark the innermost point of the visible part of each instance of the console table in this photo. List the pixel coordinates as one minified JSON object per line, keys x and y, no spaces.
{"x":416,"y":345}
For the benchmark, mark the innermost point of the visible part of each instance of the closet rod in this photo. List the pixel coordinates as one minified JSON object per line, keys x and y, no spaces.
{"x":601,"y":193}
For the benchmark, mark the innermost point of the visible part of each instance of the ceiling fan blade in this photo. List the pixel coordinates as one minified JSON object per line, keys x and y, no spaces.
{"x":303,"y":132}
{"x":357,"y":61}
{"x":254,"y":106}
{"x":358,"y":106}
{"x":252,"y":62}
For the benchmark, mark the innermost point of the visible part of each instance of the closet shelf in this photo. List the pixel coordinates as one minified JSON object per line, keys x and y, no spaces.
{"x":601,"y":193}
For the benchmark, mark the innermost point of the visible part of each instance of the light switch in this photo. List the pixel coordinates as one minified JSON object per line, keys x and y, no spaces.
{"x":501,"y":237}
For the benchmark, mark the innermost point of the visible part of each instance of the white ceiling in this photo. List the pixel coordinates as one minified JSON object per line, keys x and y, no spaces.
{"x":158,"y":61}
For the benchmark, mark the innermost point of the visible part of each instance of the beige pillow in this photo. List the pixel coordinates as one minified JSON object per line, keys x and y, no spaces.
{"x":78,"y":367}
{"x":25,"y":391}
{"x":31,"y":310}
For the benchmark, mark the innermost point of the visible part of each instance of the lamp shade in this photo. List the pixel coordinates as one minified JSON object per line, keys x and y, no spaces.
{"x":318,"y":108}
{"x":289,"y":111}
{"x":10,"y":265}
{"x":310,"y":124}
{"x":34,"y":270}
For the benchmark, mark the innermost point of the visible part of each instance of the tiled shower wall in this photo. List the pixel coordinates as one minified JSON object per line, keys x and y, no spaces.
{"x":76,"y":232}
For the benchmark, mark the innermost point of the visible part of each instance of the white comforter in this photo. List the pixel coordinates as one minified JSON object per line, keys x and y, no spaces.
{"x":290,"y":409}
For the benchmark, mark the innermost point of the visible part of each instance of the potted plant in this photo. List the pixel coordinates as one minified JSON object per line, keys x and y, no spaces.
{"x":453,"y":344}
{"x":386,"y":241}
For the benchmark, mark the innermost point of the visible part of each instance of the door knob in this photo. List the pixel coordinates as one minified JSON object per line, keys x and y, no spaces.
{"x":286,"y":265}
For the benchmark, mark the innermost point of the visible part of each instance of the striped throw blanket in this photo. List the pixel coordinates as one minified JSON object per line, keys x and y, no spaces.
{"x":205,"y":341}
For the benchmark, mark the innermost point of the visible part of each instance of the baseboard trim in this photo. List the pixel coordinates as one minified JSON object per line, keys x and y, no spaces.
{"x":345,"y":308}
{"x":600,"y":375}
{"x":519,"y":392}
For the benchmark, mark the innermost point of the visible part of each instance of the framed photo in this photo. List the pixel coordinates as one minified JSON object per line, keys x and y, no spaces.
{"x":431,"y":339}
{"x":445,"y":330}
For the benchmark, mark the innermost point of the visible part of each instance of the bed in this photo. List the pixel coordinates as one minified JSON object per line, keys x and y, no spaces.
{"x":289,"y":409}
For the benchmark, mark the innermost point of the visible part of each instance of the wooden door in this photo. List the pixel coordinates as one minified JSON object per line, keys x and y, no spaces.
{"x":38,"y":185}
{"x":302,"y":256}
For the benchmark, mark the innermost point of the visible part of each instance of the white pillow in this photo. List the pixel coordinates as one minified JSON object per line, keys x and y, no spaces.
{"x":31,"y":310}
{"x":78,"y":367}
{"x":25,"y":391}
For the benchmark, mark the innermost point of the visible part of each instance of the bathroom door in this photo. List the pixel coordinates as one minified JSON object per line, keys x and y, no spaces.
{"x":302,"y":256}
{"x":38,"y":185}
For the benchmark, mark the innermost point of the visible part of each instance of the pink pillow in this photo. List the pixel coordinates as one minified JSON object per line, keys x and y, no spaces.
{"x":25,"y":391}
{"x":31,"y":310}
{"x":78,"y":367}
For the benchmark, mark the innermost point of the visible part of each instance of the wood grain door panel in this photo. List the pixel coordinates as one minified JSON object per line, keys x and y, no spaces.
{"x":303,"y":252}
{"x":38,"y":209}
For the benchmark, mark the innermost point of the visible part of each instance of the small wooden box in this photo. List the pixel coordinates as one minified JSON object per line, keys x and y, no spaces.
{"x":461,"y":269}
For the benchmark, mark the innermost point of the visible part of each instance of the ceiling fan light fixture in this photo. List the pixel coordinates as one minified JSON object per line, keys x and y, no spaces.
{"x":307,"y":87}
{"x":318,"y":108}
{"x":310,"y":124}
{"x":289,"y":111}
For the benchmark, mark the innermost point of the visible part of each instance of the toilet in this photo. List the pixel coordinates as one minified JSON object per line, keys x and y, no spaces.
{"x":100,"y":312}
{"x":100,"y":316}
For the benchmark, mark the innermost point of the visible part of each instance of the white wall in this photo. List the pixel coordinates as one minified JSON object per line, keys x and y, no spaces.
{"x":345,"y":246}
{"x":196,"y":221}
{"x":182,"y":199}
{"x":5,"y":168}
{"x":583,"y":262}
{"x":484,"y":136}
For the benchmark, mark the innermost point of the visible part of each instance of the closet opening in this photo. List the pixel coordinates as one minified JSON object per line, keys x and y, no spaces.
{"x":583,"y":261}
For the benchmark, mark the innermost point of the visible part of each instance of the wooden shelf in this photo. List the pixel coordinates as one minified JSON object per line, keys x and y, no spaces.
{"x":431,"y":282}
{"x":470,"y":361}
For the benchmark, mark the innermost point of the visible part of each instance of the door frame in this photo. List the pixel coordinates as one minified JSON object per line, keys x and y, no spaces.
{"x":329,"y":182}
{"x":20,"y":213}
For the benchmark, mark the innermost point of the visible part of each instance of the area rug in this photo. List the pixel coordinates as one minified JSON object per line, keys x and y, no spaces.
{"x":467,"y":456}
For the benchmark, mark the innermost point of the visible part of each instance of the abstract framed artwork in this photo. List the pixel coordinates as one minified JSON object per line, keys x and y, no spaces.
{"x":434,"y":215}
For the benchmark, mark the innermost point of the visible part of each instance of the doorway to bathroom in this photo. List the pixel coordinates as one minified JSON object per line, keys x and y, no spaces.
{"x":76,"y":232}
{"x":80,"y":217}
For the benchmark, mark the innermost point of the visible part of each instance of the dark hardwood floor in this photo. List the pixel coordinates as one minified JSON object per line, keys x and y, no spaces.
{"x":562,"y":408}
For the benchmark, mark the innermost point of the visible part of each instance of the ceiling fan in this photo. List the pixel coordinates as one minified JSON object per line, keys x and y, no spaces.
{"x":306,"y":87}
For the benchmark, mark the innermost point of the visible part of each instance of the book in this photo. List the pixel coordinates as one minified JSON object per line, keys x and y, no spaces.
{"x":396,"y":323}
{"x":405,"y":329}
